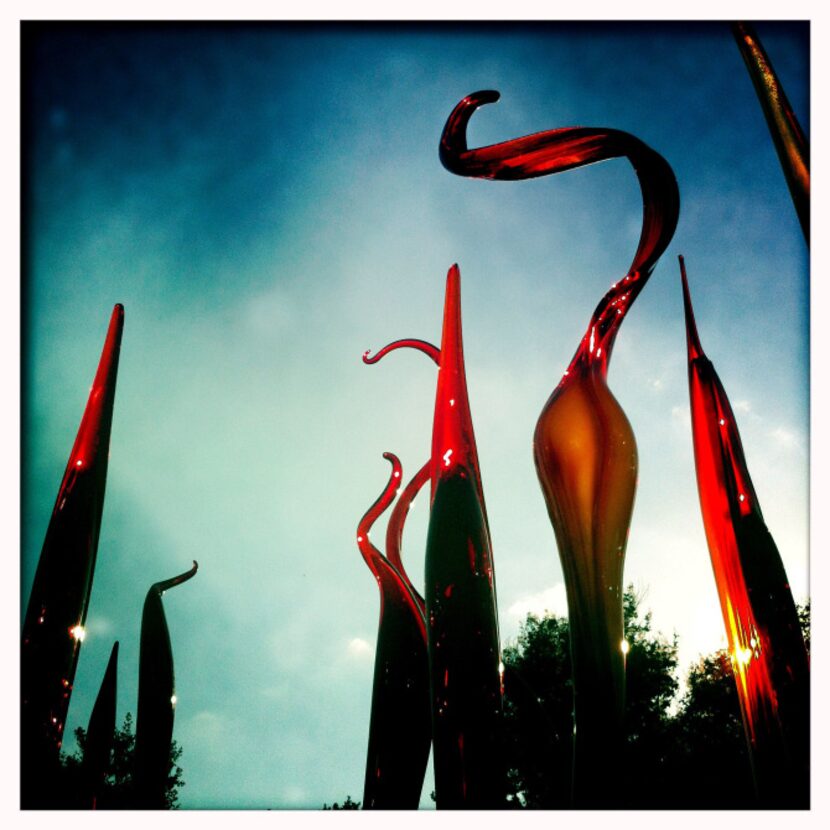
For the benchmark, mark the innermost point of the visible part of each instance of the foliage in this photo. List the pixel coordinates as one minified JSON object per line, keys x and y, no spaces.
{"x":117,"y":792}
{"x":693,"y":757}
{"x":348,"y":804}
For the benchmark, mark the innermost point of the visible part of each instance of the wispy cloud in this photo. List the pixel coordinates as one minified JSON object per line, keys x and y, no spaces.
{"x":550,"y":601}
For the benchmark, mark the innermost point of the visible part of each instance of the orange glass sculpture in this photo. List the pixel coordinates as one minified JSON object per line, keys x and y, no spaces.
{"x":462,"y":627}
{"x":156,"y":698}
{"x":399,"y":728}
{"x":583,"y":446}
{"x":790,"y":143}
{"x":53,"y":629}
{"x":769,"y":658}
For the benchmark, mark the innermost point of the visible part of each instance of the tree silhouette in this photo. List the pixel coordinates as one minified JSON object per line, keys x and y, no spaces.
{"x":695,"y":757}
{"x":118,"y":792}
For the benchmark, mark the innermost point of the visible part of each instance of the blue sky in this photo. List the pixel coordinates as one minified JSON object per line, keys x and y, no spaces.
{"x":267,"y":203}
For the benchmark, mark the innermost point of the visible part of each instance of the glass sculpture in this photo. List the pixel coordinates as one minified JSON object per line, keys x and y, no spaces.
{"x":399,"y":729}
{"x":462,"y":627}
{"x":53,"y":629}
{"x":583,"y":446}
{"x":156,"y":698}
{"x":790,"y":143}
{"x":769,"y":658}
{"x":100,"y":733}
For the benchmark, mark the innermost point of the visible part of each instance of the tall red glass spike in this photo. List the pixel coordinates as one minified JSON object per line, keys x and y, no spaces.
{"x":399,"y":729}
{"x":769,"y":659}
{"x":460,"y":596}
{"x":463,"y":632}
{"x":790,"y":143}
{"x":53,"y":628}
{"x":156,"y":698}
{"x":583,"y":446}
{"x":100,"y":732}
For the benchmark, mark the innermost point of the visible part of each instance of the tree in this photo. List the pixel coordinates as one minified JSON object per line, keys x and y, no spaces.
{"x":118,"y":790}
{"x":693,"y":758}
{"x":539,"y":708}
{"x":348,"y":804}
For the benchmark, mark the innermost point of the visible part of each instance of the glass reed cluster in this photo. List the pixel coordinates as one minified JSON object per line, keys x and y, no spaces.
{"x":399,"y":727}
{"x":583,"y":445}
{"x":463,"y":654}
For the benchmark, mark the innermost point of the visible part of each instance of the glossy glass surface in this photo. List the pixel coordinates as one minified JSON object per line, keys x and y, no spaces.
{"x":790,"y":143}
{"x":100,"y":732}
{"x":156,"y":698}
{"x":769,"y":658}
{"x":53,"y":628}
{"x":583,"y":446}
{"x":399,"y":728}
{"x":460,"y":600}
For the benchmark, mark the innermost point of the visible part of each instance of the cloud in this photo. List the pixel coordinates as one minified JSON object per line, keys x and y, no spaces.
{"x":551,"y":600}
{"x":682,"y":415}
{"x":742,"y":406}
{"x":359,"y":649}
{"x":785,"y":438}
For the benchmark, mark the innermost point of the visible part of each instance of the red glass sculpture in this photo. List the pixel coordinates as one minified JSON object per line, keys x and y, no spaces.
{"x":399,"y":729}
{"x":790,"y":143}
{"x":583,"y":446}
{"x":156,"y":698}
{"x":462,"y":625}
{"x":769,"y":658}
{"x":100,"y":733}
{"x":54,"y":625}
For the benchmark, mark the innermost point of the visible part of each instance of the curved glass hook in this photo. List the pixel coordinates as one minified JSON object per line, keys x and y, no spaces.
{"x":769,"y":658}
{"x":399,"y":728}
{"x":156,"y":697}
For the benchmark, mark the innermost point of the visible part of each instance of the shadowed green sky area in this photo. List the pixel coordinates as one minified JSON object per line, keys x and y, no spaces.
{"x":267,"y":203}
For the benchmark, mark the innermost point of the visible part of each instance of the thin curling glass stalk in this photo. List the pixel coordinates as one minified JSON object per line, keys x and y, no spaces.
{"x":460,"y":597}
{"x":156,"y":698}
{"x":769,"y":658}
{"x":790,"y":143}
{"x":100,"y":733}
{"x":583,"y":446}
{"x":399,"y":729}
{"x":54,"y":625}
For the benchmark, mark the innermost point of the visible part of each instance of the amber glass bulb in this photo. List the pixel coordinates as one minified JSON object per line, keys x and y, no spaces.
{"x":583,"y":446}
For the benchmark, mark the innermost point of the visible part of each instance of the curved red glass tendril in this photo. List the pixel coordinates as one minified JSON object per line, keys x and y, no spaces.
{"x":769,"y":658}
{"x":584,"y":447}
{"x":555,"y":151}
{"x":399,"y":730}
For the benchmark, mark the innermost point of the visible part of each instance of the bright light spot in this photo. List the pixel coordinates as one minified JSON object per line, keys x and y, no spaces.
{"x":78,"y":632}
{"x":359,"y":538}
{"x":599,"y":351}
{"x":174,"y":700}
{"x":452,"y":401}
{"x":591,"y":343}
{"x":79,"y":462}
{"x":501,"y":668}
{"x":721,"y":422}
{"x":397,"y":474}
{"x":624,"y":647}
{"x":743,"y":655}
{"x":742,"y":497}
{"x":446,"y":457}
{"x":358,"y":648}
